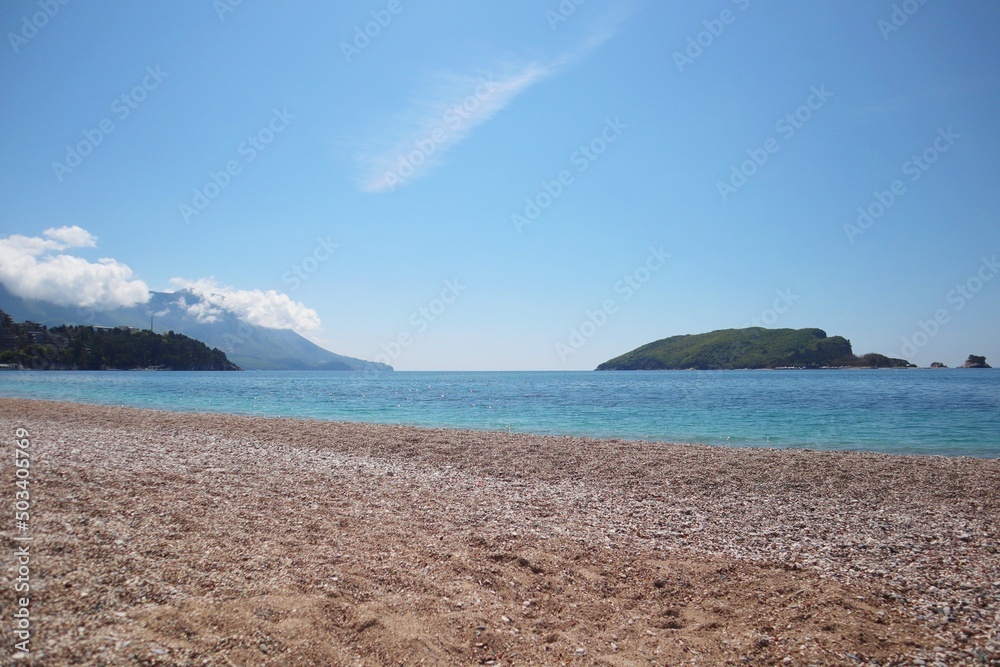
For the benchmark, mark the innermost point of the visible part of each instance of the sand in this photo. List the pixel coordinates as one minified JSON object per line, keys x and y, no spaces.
{"x":190,"y":539}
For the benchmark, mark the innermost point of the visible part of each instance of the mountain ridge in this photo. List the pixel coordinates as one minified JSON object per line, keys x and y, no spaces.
{"x":249,"y":346}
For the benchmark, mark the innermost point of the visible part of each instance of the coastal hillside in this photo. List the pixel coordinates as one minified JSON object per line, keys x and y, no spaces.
{"x":753,"y":347}
{"x":35,"y":346}
{"x":250,"y":346}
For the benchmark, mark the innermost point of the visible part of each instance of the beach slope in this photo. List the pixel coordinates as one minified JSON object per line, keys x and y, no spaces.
{"x":183,"y":539}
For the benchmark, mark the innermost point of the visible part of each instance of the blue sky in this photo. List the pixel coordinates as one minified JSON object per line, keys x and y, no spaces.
{"x":514,"y":186}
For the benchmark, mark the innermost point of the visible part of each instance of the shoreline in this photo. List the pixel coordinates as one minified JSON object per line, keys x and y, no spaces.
{"x":850,"y":449}
{"x":268,"y":540}
{"x":194,"y":412}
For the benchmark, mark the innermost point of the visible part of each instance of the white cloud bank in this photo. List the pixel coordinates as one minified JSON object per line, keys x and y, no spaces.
{"x":35,"y":267}
{"x":445,"y":113}
{"x":270,"y":309}
{"x":38,"y":268}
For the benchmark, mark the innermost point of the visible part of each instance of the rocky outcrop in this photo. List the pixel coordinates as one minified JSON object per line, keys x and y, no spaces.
{"x":975,"y":362}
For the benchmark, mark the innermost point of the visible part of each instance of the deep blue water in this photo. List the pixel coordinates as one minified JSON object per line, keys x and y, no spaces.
{"x":952,"y":412}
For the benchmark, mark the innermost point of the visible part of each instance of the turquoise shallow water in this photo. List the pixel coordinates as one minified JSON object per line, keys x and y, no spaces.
{"x":950,"y":412}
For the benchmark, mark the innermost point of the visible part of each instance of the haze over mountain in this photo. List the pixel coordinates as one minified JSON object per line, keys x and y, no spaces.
{"x":250,"y":346}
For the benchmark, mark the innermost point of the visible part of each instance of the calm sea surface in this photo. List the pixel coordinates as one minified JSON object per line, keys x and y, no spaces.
{"x":952,"y":412}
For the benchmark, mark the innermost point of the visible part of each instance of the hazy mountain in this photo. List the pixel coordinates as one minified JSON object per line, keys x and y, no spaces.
{"x":250,"y":347}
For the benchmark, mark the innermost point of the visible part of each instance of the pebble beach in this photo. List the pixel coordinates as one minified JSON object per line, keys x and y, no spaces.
{"x":165,"y":538}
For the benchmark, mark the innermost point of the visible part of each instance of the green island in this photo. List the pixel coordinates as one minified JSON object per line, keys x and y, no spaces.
{"x":750,"y":348}
{"x":31,"y":345}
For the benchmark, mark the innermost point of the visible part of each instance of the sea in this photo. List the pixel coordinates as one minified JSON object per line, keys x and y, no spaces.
{"x":950,"y":412}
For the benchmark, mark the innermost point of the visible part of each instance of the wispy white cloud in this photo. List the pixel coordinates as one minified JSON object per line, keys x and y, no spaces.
{"x":444,"y":113}
{"x":36,"y":267}
{"x":269,"y":309}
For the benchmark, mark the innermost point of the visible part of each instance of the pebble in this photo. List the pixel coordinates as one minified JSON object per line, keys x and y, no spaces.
{"x":877,"y":522}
